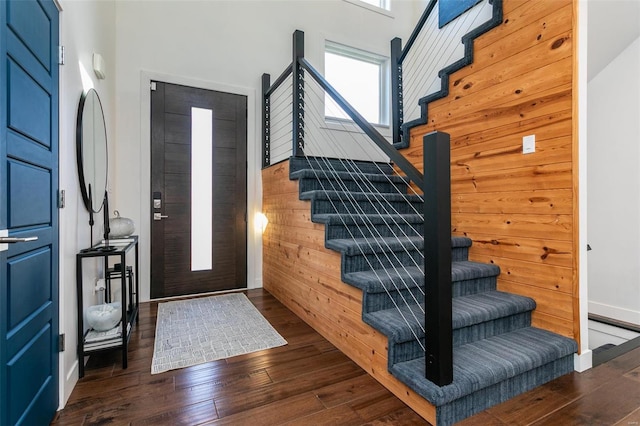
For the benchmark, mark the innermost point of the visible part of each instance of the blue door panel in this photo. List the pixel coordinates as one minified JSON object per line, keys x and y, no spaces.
{"x":28,"y":372}
{"x":26,"y":100}
{"x":21,"y":55}
{"x":30,"y":22}
{"x":30,"y":187}
{"x":25,"y":149}
{"x":39,"y":410}
{"x":24,"y":300}
{"x":21,"y":335}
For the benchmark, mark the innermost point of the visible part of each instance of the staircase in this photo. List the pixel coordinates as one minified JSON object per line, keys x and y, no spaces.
{"x":372,"y":222}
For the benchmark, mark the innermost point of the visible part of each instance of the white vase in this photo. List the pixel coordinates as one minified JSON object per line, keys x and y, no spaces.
{"x":120,"y":227}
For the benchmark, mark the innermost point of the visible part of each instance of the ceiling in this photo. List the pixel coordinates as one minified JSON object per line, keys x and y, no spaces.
{"x":612,"y":26}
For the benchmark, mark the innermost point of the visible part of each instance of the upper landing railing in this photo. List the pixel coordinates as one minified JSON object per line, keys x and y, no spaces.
{"x":436,"y":48}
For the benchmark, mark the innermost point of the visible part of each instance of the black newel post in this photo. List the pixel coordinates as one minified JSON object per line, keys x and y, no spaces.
{"x":396,"y":89}
{"x":298,"y":93}
{"x":266,"y":120}
{"x":437,"y":258}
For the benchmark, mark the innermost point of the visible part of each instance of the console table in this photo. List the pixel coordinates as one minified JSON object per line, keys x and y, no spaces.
{"x":129,"y":280}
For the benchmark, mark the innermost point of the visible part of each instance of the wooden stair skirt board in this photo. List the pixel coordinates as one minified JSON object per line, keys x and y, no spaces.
{"x":348,"y":290}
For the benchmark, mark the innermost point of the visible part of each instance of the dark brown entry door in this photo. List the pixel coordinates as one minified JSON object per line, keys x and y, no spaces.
{"x":198,"y":228}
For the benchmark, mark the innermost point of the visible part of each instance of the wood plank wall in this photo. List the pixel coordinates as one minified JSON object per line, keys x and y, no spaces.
{"x":519,"y":210}
{"x":305,"y":276}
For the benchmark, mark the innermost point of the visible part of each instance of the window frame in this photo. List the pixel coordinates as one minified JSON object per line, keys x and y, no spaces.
{"x":382,"y":4}
{"x":384,"y":7}
{"x":384,"y":77}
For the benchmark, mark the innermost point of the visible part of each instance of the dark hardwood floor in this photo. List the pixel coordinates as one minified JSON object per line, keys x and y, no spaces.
{"x":310,"y":382}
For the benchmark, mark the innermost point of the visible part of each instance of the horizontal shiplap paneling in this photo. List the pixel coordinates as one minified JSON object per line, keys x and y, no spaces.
{"x":518,"y":209}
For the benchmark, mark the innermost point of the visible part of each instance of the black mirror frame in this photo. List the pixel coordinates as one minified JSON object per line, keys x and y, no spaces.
{"x":84,"y":190}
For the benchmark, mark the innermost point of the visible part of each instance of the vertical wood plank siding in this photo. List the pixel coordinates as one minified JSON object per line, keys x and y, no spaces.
{"x":305,"y":276}
{"x":519,"y":210}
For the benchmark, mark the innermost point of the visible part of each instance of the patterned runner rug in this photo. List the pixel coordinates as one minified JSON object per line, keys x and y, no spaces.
{"x":195,"y":331}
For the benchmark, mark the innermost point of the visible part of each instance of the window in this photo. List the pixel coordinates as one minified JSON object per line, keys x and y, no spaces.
{"x":201,"y":184}
{"x":382,"y":4}
{"x":362,"y":78}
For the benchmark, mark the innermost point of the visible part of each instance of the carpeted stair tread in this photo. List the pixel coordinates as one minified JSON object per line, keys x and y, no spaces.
{"x":361,"y":196}
{"x":468,"y":270}
{"x":367,"y":219}
{"x":347,"y":175}
{"x":319,"y":163}
{"x":482,"y":307}
{"x":460,"y":242}
{"x":377,"y":281}
{"x":486,"y":362}
{"x":466,"y":311}
{"x":360,"y":246}
{"x":354,"y":246}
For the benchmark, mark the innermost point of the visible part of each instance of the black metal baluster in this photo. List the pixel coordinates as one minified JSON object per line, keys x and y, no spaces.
{"x":298,"y":93}
{"x":396,"y":89}
{"x":266,"y":120}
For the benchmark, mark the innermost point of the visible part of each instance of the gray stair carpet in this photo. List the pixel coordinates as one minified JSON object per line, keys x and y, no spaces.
{"x":376,"y":226}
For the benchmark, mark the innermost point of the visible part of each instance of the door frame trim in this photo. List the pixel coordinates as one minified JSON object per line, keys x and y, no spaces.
{"x":254,"y":183}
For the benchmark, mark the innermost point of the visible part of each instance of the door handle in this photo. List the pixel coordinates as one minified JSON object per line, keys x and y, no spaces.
{"x":159,"y":216}
{"x":11,"y":240}
{"x":5,"y":239}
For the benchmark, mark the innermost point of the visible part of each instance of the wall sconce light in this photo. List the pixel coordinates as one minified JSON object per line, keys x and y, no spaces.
{"x":260,"y":222}
{"x":98,"y":66}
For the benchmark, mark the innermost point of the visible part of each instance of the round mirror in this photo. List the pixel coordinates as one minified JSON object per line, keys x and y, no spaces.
{"x":91,"y":151}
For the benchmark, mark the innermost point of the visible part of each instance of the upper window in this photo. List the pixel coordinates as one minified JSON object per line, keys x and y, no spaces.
{"x":382,"y":4}
{"x":361,"y":78}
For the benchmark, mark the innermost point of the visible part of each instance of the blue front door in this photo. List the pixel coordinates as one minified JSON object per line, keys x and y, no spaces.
{"x":28,"y":208}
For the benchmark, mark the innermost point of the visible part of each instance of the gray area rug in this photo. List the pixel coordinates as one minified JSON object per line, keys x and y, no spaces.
{"x":195,"y":331}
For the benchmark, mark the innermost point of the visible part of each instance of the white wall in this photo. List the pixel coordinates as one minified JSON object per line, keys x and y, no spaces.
{"x":226,"y":44}
{"x":85,"y":27}
{"x":614,"y":188}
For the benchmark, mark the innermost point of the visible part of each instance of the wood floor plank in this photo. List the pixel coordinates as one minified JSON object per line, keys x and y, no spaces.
{"x":275,"y":413}
{"x":309,"y":382}
{"x":282,"y":372}
{"x":530,"y":406}
{"x":224,"y":370}
{"x":376,"y":404}
{"x":341,"y":415}
{"x":634,"y":374}
{"x":632,"y":419}
{"x":481,"y":419}
{"x":402,"y":417}
{"x":611,"y":403}
{"x":347,"y":390}
{"x":186,"y":415}
{"x":232,"y":403}
{"x":231,"y":385}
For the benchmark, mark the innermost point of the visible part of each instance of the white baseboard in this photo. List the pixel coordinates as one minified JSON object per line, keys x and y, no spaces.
{"x":583,"y":361}
{"x":257,"y":283}
{"x":615,"y":312}
{"x":71,"y":378}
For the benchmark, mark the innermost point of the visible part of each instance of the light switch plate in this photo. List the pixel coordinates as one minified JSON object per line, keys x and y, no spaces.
{"x":529,"y":144}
